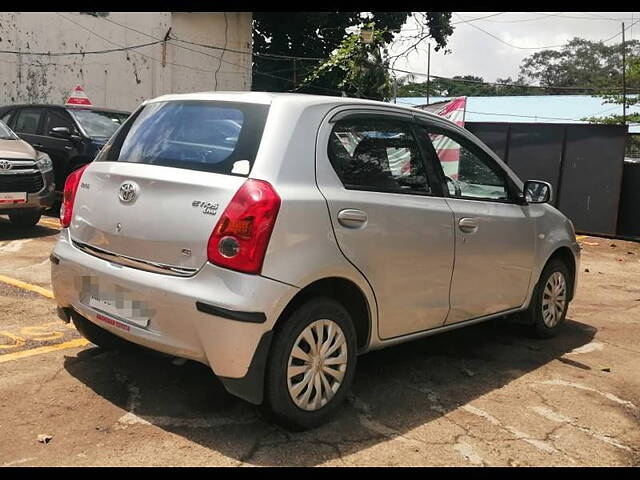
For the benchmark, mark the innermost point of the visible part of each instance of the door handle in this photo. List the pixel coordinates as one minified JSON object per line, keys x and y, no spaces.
{"x":468,"y":225}
{"x":352,"y":218}
{"x":38,"y":145}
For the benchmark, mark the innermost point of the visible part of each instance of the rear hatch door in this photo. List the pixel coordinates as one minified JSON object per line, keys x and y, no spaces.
{"x":155,"y":192}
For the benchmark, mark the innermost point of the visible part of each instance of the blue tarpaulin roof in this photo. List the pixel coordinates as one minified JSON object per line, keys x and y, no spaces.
{"x":533,"y":108}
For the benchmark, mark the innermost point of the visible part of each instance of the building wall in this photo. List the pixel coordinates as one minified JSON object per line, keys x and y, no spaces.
{"x":126,"y":78}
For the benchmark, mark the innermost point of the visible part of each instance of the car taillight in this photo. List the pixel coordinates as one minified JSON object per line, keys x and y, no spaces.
{"x":241,"y":236}
{"x":69,"y":195}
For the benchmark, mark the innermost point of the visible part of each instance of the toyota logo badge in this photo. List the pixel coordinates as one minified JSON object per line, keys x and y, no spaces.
{"x":5,"y":165}
{"x":128,"y":192}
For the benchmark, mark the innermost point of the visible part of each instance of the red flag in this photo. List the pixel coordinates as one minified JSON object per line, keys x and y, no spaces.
{"x":448,"y":150}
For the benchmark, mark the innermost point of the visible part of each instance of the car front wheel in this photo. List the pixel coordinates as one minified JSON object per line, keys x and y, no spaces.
{"x":550,"y":301}
{"x":311,"y":364}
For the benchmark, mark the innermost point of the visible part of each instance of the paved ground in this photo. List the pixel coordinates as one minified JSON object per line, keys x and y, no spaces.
{"x":483,"y":395}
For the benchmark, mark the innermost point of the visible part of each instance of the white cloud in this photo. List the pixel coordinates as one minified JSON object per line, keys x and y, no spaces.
{"x":474,"y":52}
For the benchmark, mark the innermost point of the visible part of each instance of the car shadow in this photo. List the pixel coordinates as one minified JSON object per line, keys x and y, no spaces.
{"x":395,"y":391}
{"x":8,"y":231}
{"x":53,"y":212}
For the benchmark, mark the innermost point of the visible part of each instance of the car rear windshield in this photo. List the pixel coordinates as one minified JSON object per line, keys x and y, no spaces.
{"x":97,"y":123}
{"x":219,"y":137}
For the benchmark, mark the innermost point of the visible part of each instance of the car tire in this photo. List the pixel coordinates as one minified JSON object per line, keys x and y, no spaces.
{"x":330,"y":320}
{"x":26,"y":219}
{"x":548,"y":309}
{"x":98,"y":336}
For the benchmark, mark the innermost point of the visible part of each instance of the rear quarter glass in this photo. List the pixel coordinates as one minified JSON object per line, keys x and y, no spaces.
{"x":209,"y":136}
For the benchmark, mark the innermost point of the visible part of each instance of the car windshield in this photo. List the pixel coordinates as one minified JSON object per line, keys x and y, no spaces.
{"x":99,"y":124}
{"x":6,"y":133}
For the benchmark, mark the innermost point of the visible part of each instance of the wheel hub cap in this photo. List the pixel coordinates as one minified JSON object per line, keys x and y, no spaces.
{"x":554,"y":299}
{"x":317,"y":364}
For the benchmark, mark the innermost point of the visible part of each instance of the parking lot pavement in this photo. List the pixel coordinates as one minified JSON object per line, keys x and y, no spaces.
{"x":483,"y":395}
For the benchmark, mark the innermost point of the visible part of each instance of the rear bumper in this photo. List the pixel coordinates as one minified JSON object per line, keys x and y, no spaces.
{"x":41,"y":200}
{"x":220,"y":337}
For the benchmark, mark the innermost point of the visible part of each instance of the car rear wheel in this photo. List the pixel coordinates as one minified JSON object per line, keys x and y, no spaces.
{"x":26,"y":219}
{"x":550,"y":301}
{"x":311,"y":364}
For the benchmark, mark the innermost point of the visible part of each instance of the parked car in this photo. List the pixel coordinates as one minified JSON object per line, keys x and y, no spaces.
{"x":280,"y":256}
{"x":71,"y":136}
{"x":26,"y":180}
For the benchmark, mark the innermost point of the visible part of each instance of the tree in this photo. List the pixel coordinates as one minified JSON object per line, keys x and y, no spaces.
{"x":508,"y":86}
{"x":362,"y":68}
{"x":591,"y":68}
{"x":580,"y":67}
{"x":458,"y":86}
{"x":615,"y":96}
{"x":580,"y":63}
{"x":465,"y":85}
{"x":317,"y":35}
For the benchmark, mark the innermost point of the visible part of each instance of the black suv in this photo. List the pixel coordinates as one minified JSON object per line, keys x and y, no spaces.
{"x":72,"y":136}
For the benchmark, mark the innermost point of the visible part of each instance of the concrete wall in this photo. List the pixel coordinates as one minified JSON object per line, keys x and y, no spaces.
{"x":121,"y":79}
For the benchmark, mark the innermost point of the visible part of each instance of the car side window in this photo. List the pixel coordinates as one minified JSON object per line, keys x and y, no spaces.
{"x":28,"y":121}
{"x":57,"y":118}
{"x":469,"y":172}
{"x":377,"y":155}
{"x":5,"y":118}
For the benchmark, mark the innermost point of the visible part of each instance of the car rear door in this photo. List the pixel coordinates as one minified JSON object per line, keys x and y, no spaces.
{"x":388,"y":216}
{"x":494,"y":234}
{"x":28,"y":124}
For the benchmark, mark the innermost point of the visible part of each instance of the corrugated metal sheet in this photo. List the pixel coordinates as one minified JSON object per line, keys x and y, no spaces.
{"x":629,"y":220}
{"x":583,"y":163}
{"x":533,"y":108}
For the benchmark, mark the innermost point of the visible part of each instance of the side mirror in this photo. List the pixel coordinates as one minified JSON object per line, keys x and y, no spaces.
{"x":60,"y":132}
{"x":537,"y":191}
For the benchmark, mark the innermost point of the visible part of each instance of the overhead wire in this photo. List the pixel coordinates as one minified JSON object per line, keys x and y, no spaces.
{"x":172,"y":41}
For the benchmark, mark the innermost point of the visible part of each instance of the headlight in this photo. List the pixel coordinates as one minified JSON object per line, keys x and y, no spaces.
{"x":43,"y":162}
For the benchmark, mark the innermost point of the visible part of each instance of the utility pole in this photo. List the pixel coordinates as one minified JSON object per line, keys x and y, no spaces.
{"x":624,"y":79}
{"x":428,"y":71}
{"x":167,"y":36}
{"x":295,"y":79}
{"x":395,"y":89}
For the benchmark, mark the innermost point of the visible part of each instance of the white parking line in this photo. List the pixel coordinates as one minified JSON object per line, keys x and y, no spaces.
{"x":559,"y":418}
{"x":588,"y":348}
{"x":539,"y":444}
{"x":468,"y":453}
{"x":17,"y":462}
{"x":14,"y":246}
{"x":609,"y":396}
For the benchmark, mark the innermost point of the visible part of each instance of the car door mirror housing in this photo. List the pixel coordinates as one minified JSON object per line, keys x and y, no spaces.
{"x":60,"y":132}
{"x":537,"y":191}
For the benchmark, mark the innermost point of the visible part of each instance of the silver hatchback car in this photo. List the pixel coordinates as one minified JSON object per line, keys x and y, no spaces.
{"x":276,"y":237}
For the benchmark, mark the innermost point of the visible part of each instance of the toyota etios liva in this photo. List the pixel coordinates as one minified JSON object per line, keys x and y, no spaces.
{"x":275,"y":237}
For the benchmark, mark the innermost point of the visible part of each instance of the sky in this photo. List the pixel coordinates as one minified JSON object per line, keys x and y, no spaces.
{"x":474,"y":52}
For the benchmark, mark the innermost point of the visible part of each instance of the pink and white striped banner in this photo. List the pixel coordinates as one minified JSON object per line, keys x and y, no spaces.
{"x":448,"y":150}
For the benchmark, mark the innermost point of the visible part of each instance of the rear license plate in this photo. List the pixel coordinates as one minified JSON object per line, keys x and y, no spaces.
{"x":122,"y":308}
{"x":13,"y":197}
